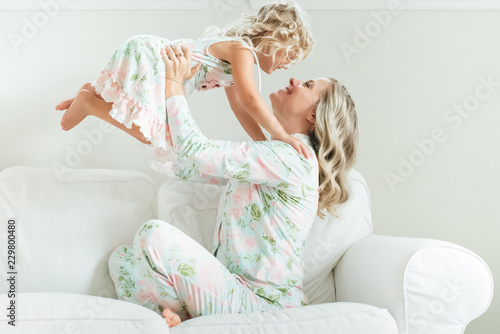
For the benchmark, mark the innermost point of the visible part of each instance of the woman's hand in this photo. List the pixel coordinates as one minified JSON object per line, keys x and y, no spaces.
{"x":298,"y":145}
{"x":177,"y":66}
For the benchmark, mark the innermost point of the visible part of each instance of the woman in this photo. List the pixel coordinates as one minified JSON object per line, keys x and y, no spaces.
{"x":272,"y":195}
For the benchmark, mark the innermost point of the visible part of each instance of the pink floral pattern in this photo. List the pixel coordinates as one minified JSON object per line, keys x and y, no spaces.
{"x":165,"y":268}
{"x":268,"y":209}
{"x":134,"y":80}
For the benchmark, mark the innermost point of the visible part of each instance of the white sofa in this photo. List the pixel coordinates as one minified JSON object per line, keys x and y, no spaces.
{"x":67,"y":226}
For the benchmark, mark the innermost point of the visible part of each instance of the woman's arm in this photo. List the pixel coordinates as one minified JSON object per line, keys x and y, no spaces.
{"x":247,"y":122}
{"x":265,"y":162}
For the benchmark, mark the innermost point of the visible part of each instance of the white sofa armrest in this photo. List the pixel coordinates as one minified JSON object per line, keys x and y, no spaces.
{"x":428,"y":286}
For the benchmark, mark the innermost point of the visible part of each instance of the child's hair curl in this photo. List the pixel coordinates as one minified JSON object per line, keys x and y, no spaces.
{"x":281,"y":25}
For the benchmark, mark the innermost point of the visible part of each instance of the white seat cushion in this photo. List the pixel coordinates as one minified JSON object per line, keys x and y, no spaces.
{"x":53,"y":312}
{"x":335,"y":318}
{"x":48,"y":313}
{"x":192,"y":207}
{"x":67,"y":226}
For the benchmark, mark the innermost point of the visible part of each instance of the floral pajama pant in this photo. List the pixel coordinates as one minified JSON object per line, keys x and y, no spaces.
{"x":165,"y":268}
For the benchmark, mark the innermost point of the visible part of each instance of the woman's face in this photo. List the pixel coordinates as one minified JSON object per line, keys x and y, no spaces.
{"x":299,"y":98}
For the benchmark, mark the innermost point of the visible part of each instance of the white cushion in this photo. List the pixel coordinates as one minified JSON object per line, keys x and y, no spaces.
{"x":192,"y":207}
{"x":335,"y":318}
{"x":53,"y":313}
{"x":330,"y":238}
{"x":68,"y":225}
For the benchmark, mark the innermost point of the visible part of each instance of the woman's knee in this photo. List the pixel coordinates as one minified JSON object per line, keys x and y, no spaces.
{"x":154,"y":232}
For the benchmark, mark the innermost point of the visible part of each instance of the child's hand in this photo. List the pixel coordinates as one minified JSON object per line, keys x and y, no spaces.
{"x":298,"y":145}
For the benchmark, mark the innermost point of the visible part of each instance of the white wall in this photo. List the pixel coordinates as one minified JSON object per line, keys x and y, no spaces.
{"x":403,"y":83}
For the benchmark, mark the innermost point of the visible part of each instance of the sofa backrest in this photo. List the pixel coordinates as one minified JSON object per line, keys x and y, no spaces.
{"x":68,"y":224}
{"x":192,"y":207}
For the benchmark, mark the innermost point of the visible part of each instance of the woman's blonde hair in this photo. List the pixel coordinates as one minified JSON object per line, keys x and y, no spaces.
{"x":281,"y":25}
{"x":335,"y":140}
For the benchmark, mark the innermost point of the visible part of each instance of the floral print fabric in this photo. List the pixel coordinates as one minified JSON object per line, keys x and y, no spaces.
{"x":267,"y":209}
{"x":165,"y":268}
{"x":134,"y":80}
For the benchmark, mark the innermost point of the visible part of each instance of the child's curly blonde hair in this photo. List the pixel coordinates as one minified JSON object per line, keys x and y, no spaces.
{"x":281,"y":25}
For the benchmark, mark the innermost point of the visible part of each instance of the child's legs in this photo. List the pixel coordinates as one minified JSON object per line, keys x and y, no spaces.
{"x":88,"y":86}
{"x":200,"y":283}
{"x":100,"y":108}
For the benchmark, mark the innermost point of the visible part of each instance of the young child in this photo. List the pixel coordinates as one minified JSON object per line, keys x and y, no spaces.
{"x":134,"y":78}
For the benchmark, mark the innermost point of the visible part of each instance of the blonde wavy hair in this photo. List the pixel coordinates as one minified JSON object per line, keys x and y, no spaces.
{"x":335,"y":141}
{"x":281,"y":25}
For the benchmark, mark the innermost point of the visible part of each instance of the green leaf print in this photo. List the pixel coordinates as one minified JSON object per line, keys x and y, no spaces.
{"x":186,"y":270}
{"x":283,"y":291}
{"x":126,"y":293}
{"x":228,"y":70}
{"x":289,"y":263}
{"x":266,"y":203}
{"x":147,"y":227}
{"x":306,"y":188}
{"x":287,"y":198}
{"x":138,"y":58}
{"x":291,"y":225}
{"x":272,"y":242}
{"x":242,"y":223}
{"x":127,"y":50}
{"x":242,"y":176}
{"x":134,"y":77}
{"x":253,"y":258}
{"x":144,"y":78}
{"x":203,"y":71}
{"x":274,"y":298}
{"x":256,"y":213}
{"x":283,"y":185}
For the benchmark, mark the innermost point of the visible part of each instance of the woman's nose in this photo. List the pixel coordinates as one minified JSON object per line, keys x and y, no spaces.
{"x":293,"y":82}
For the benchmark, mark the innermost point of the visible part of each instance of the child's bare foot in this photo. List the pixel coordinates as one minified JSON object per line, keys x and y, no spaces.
{"x":172,"y":318}
{"x":67,"y":103}
{"x":76,"y":111}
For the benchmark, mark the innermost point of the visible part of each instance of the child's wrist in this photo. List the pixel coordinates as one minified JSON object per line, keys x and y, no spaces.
{"x":281,"y":135}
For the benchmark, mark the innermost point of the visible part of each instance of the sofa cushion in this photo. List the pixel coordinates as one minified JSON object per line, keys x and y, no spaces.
{"x":50,"y":313}
{"x":330,"y":238}
{"x":68,"y":225}
{"x":47,"y":313}
{"x":192,"y":207}
{"x":335,"y":318}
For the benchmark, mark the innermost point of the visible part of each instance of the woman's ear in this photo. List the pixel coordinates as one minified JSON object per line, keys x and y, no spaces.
{"x":311,"y":118}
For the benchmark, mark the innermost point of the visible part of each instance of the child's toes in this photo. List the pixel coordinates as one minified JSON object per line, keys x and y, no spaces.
{"x":64,"y":105}
{"x":172,"y":318}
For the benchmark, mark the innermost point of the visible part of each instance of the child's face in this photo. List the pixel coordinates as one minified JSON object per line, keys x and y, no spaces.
{"x":269,"y":63}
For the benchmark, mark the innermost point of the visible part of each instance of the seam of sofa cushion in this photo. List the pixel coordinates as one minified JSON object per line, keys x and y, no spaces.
{"x":87,"y":319}
{"x":319,"y":317}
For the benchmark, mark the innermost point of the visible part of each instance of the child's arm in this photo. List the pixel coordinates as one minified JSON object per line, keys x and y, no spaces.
{"x":246,"y":120}
{"x":241,"y":60}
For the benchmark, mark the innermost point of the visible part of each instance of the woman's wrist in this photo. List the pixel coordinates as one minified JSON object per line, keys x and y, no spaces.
{"x":173,"y":87}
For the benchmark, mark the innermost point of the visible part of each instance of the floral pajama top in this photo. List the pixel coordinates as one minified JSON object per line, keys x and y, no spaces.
{"x":267,"y":208}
